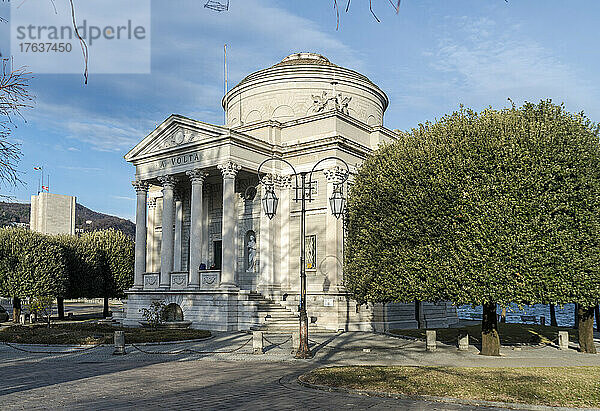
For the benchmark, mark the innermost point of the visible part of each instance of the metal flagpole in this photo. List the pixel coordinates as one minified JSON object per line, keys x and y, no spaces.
{"x":225,"y":86}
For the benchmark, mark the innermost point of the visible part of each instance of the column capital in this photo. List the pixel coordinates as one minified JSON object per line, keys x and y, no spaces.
{"x":229,"y":169}
{"x":167,"y":181}
{"x":140,"y":186}
{"x":283,"y":182}
{"x":196,"y":176}
{"x":335,"y":174}
{"x":269,"y":180}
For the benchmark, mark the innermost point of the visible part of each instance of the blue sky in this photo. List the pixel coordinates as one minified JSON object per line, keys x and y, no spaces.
{"x":430,"y":58}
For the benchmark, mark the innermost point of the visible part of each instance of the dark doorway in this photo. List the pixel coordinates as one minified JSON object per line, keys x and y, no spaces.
{"x":217,"y":252}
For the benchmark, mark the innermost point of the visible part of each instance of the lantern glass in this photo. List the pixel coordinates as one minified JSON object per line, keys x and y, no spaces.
{"x":269,"y":202}
{"x":337,"y":202}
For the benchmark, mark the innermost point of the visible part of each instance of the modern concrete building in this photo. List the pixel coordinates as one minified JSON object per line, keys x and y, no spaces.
{"x":52,"y":214}
{"x":203,"y":243}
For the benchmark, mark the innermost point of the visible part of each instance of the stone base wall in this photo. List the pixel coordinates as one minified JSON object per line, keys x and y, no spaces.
{"x":232,"y":310}
{"x":347,"y":315}
{"x":212,"y":310}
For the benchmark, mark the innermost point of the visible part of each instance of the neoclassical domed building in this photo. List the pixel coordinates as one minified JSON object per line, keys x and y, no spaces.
{"x":203,"y":242}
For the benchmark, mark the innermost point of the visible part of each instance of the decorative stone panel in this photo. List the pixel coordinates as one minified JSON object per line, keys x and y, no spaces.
{"x":210,"y":279}
{"x":179,"y":281}
{"x":151,"y":281}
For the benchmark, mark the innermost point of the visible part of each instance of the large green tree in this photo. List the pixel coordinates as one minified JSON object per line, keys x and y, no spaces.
{"x":485,"y":208}
{"x":31,"y":265}
{"x":84,"y":263}
{"x":117,"y":263}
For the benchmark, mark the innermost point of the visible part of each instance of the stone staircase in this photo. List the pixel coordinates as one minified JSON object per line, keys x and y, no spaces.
{"x":273,"y":317}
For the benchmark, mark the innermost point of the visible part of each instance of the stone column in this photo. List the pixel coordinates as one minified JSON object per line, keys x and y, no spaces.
{"x":285,"y":184}
{"x":265,"y":241}
{"x":151,"y":240}
{"x":141,"y":188}
{"x":197,"y":229}
{"x":229,"y":171}
{"x":334,"y":231}
{"x":166,"y":248}
{"x":206,"y":197}
{"x":177,"y":242}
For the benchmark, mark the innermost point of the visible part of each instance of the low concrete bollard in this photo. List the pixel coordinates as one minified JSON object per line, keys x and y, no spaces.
{"x":119,"y":343}
{"x":430,"y":344}
{"x":257,"y":342}
{"x":563,"y":340}
{"x":23,"y":319}
{"x":463,"y":342}
{"x":295,"y":341}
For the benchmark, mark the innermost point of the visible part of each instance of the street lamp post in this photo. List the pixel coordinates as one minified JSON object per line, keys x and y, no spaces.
{"x":270,"y":201}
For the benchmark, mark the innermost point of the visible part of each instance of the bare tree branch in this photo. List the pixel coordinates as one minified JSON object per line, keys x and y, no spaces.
{"x":395,"y":6}
{"x":14,"y":97}
{"x":82,"y":43}
{"x":216,"y":5}
{"x":219,"y":6}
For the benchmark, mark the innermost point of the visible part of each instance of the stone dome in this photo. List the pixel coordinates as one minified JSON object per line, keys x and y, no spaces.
{"x":300,"y":85}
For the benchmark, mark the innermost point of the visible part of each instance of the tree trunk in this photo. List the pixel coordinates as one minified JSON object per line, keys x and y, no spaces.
{"x":16,"y":309}
{"x":597,"y":318}
{"x":60,"y":304}
{"x":553,"y":322}
{"x":105,"y":312}
{"x":576,"y":311}
{"x":586,"y":330}
{"x":490,"y":340}
{"x":418,"y":314}
{"x":503,"y":315}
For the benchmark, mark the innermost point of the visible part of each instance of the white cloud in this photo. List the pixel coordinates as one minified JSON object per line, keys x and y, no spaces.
{"x":80,"y":169}
{"x":122,"y":198}
{"x":485,"y":63}
{"x":114,"y":112}
{"x":101,"y":132}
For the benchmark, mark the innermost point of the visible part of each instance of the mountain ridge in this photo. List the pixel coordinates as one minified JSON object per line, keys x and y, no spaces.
{"x":12,"y":213}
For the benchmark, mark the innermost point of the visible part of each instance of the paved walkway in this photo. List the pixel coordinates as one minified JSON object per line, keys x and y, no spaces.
{"x":195,"y":377}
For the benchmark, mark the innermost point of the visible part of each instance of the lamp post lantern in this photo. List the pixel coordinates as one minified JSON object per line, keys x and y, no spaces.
{"x":269,"y":202}
{"x":336,"y":202}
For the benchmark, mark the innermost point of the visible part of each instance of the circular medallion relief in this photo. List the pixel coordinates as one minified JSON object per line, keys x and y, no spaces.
{"x":179,"y":137}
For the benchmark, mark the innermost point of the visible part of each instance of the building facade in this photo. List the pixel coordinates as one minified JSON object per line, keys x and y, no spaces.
{"x":203,"y":242}
{"x":52,"y":213}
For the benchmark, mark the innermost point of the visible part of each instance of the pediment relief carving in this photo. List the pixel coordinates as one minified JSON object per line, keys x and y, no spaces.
{"x":176,"y":137}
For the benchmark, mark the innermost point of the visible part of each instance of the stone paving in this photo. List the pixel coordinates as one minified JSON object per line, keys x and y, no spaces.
{"x":193,"y":376}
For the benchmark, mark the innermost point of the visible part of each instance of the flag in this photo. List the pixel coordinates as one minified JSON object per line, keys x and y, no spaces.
{"x":45,"y":188}
{"x":37,"y":168}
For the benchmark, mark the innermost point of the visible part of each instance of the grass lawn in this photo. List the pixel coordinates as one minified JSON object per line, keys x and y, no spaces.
{"x":91,"y":333}
{"x":550,"y":386}
{"x":509,"y":333}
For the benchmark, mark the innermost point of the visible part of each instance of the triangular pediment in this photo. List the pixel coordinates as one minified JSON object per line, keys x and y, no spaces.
{"x":174,"y":133}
